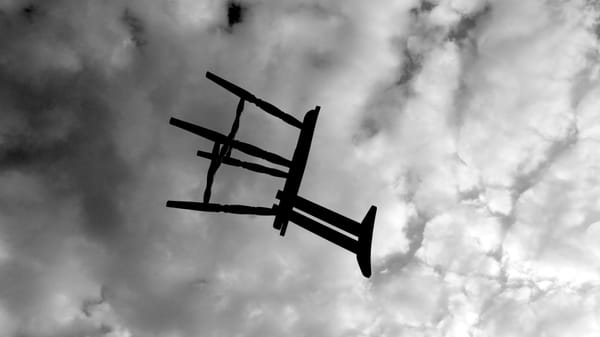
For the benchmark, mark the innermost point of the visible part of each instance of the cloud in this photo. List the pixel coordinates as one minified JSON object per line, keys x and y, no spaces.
{"x":470,"y":124}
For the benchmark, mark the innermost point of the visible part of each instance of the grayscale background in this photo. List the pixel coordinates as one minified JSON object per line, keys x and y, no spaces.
{"x":474,"y":126}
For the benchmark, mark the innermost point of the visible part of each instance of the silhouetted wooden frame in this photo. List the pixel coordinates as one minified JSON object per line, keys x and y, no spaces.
{"x":349,"y":234}
{"x":294,"y":179}
{"x":363,"y":231}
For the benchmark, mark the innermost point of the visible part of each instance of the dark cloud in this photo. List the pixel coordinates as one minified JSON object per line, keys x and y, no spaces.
{"x":60,"y":136}
{"x":411,"y":65}
{"x":135,"y":26}
{"x":82,"y":156}
{"x":424,"y":7}
{"x":468,"y":23}
{"x":30,"y":12}
{"x":236,"y":13}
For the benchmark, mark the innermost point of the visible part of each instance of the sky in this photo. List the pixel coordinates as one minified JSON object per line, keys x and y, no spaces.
{"x":472,"y":125}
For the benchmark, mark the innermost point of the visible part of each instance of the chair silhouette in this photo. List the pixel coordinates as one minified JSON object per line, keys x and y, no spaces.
{"x":344,"y":232}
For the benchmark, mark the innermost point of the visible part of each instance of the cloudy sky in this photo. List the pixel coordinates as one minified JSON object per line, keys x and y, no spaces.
{"x":474,"y":126}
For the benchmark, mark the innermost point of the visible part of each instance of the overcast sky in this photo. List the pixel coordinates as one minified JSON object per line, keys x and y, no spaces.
{"x":474,"y":126}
